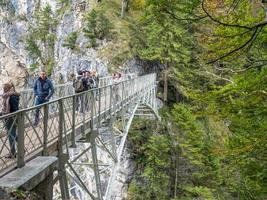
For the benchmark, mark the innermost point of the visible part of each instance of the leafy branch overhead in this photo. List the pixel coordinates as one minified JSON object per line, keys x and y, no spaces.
{"x":215,"y":55}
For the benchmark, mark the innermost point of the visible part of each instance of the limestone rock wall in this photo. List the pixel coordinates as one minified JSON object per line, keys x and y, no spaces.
{"x":15,"y":18}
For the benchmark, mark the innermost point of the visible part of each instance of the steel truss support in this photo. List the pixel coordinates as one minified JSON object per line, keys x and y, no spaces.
{"x":93,"y":136}
{"x":123,"y":106}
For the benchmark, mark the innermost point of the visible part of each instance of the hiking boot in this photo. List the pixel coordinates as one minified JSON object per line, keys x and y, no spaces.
{"x":11,"y":156}
{"x":36,"y":122}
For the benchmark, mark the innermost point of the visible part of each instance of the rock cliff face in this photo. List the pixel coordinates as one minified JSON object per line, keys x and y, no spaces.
{"x":16,"y":16}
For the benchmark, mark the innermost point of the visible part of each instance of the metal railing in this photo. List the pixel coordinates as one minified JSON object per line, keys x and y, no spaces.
{"x":65,"y":119}
{"x":27,"y":97}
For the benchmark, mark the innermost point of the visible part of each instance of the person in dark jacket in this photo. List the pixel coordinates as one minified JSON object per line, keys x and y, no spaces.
{"x":43,"y":91}
{"x":80,"y":85}
{"x":10,"y":105}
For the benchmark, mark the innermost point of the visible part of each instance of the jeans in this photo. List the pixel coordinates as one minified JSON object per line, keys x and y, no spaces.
{"x":38,"y":101}
{"x":11,"y":127}
{"x":79,"y":103}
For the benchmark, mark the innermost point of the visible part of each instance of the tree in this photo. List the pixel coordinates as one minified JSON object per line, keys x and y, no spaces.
{"x":70,"y":41}
{"x":41,"y":38}
{"x":215,"y":52}
{"x":97,"y":26}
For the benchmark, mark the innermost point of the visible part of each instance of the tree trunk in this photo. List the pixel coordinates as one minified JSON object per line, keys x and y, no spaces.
{"x":122,"y":8}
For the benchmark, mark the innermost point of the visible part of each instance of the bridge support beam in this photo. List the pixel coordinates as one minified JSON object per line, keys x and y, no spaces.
{"x":92,"y":138}
{"x":45,"y":188}
{"x":36,"y":175}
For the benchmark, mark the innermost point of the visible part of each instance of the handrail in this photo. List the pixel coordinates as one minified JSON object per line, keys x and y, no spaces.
{"x":27,"y":96}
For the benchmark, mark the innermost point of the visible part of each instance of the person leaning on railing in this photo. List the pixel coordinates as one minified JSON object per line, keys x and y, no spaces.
{"x":10,"y":105}
{"x":43,"y":91}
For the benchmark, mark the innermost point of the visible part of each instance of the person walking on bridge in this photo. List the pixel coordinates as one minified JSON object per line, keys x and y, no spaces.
{"x":43,"y":91}
{"x":80,"y":85}
{"x":10,"y":105}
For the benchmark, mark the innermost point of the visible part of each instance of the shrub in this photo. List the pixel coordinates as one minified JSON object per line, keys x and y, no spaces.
{"x":98,"y":26}
{"x":70,"y":41}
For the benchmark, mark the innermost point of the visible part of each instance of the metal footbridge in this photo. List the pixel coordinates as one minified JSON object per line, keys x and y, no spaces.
{"x":88,"y":129}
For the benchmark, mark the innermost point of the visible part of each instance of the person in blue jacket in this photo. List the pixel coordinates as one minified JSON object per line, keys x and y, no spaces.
{"x":43,"y":91}
{"x":10,"y":105}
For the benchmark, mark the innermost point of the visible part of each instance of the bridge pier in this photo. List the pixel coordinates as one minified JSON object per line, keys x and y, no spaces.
{"x":36,"y":175}
{"x":45,"y":189}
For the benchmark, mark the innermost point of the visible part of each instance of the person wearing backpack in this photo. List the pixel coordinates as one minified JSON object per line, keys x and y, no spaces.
{"x":43,"y":91}
{"x":10,"y":105}
{"x":95,"y":83}
{"x":79,"y":85}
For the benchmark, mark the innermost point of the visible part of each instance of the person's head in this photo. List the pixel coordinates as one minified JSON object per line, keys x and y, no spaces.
{"x":8,"y":87}
{"x":88,"y":74}
{"x":42,"y":74}
{"x":84,"y":73}
{"x":94,"y":73}
{"x":80,"y":72}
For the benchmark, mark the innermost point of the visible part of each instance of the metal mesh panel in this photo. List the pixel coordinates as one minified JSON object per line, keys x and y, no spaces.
{"x":8,"y":141}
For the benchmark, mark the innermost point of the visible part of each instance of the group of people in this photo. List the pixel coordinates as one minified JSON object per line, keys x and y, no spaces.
{"x":43,"y":91}
{"x":85,"y":80}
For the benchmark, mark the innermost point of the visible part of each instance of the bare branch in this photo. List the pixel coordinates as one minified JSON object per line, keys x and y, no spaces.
{"x":184,"y":19}
{"x":236,"y":49}
{"x":219,"y":77}
{"x":222,"y":23}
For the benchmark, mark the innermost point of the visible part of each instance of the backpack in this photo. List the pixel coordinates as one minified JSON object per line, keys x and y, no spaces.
{"x":92,"y":83}
{"x":78,"y":85}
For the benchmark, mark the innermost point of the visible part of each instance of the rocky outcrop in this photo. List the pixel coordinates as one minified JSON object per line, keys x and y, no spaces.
{"x":12,"y":68}
{"x":16,"y":18}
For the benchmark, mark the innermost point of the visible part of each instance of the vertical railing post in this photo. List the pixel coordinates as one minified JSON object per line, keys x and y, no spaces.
{"x":95,"y":163}
{"x":105,"y":106}
{"x":73,"y":132}
{"x":99,"y":106}
{"x":122,"y":95}
{"x":20,"y":128}
{"x":62,"y":158}
{"x":92,"y":101}
{"x":45,"y":122}
{"x":83,"y":99}
{"x":110,"y":101}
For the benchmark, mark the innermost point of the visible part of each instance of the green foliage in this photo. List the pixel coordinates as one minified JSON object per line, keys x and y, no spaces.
{"x":138,"y":4}
{"x":171,"y":47}
{"x":33,"y":66}
{"x":225,"y":39}
{"x":244,"y":106}
{"x":221,"y":127}
{"x":32,"y":47}
{"x":41,"y":39}
{"x":97,"y":26}
{"x":3,"y":3}
{"x":152,"y":155}
{"x":195,"y":193}
{"x":70,"y":41}
{"x":65,"y":6}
